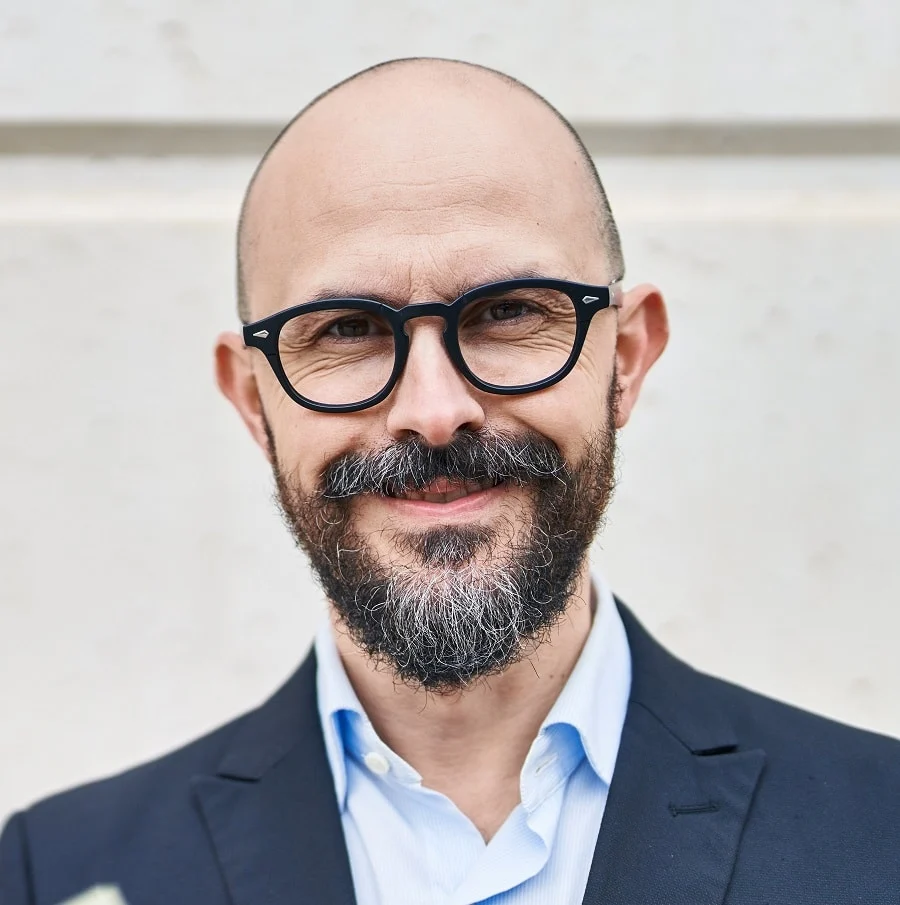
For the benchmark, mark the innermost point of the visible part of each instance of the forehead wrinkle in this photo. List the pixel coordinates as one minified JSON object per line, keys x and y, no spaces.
{"x":426,"y":96}
{"x":478,"y":192}
{"x":427,"y":193}
{"x":400,"y":267}
{"x":461,"y":234}
{"x":348,"y":181}
{"x":363,"y":289}
{"x":337,"y":243}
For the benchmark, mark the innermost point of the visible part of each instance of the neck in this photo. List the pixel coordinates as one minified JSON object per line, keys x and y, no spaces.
{"x":471,"y":746}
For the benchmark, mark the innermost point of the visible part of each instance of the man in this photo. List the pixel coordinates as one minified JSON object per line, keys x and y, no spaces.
{"x":437,"y":353}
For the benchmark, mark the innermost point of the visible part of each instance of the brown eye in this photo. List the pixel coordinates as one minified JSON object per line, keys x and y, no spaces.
{"x":493,"y":311}
{"x":503,"y":311}
{"x":351,"y":327}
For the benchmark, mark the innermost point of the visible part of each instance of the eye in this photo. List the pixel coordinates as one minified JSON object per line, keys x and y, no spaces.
{"x":352,"y":327}
{"x":493,"y":311}
{"x":504,"y":311}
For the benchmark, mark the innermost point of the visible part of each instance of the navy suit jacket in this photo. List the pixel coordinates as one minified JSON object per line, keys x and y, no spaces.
{"x":720,"y":797}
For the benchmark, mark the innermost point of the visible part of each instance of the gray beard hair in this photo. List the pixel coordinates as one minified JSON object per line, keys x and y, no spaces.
{"x":469,"y":610}
{"x":460,"y":622}
{"x":474,"y":600}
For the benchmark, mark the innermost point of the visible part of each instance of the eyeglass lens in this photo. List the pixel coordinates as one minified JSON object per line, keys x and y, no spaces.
{"x":344,"y":356}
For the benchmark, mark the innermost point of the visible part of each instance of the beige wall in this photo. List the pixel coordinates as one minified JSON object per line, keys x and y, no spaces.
{"x":147,"y":588}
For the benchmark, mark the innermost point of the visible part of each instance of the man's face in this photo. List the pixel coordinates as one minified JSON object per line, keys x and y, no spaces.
{"x":415,"y":207}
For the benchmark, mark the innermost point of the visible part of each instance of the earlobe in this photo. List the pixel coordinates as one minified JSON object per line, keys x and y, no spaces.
{"x":237,"y":382}
{"x":643,"y":332}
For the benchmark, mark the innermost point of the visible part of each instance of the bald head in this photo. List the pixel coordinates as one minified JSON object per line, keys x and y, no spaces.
{"x":426,"y":181}
{"x":416,"y":146}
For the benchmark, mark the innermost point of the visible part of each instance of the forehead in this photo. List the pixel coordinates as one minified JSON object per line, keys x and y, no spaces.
{"x":412,"y":189}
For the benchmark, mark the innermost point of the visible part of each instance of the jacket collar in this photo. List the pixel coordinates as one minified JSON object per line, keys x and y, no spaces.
{"x":680,"y":794}
{"x":681,"y":790}
{"x":271,"y":810}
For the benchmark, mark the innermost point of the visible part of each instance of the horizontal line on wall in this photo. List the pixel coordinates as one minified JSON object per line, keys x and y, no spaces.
{"x":165,"y":139}
{"x":703,"y":206}
{"x":788,"y":139}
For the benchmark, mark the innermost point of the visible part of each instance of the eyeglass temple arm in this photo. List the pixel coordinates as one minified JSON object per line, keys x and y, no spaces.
{"x":615,"y":297}
{"x":616,"y":294}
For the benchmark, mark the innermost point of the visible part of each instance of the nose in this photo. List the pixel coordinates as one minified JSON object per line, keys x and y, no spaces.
{"x":432,"y":399}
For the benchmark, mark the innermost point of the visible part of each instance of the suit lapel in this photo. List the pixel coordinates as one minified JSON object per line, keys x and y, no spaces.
{"x":681,"y":789}
{"x":680,"y":794}
{"x":271,"y":809}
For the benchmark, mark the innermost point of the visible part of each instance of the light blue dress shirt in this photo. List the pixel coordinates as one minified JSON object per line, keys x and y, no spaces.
{"x":410,"y":845}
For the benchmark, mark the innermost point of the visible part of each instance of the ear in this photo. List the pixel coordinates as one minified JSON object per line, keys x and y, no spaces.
{"x":237,"y":381}
{"x":643,"y":331}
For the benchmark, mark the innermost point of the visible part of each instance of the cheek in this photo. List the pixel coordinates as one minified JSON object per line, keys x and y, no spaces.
{"x":576,"y":407}
{"x":306,"y":442}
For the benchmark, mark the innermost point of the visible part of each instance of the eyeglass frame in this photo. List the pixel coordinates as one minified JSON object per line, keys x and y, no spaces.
{"x":586,"y":299}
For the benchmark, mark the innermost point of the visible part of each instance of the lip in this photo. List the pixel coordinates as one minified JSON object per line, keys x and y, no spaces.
{"x":467,"y":505}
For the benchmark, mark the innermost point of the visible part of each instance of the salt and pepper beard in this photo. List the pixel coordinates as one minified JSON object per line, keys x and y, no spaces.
{"x":475,"y":598}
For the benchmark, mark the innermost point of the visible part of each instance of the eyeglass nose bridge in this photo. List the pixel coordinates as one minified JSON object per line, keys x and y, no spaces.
{"x":447,"y":311}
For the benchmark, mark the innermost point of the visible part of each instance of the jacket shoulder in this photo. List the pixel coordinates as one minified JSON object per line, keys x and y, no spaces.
{"x":826,"y":811}
{"x":789,"y":732}
{"x":78,"y":838}
{"x":823,"y":817}
{"x":145,"y":828}
{"x":708,"y":713}
{"x":829,"y":793}
{"x":149,"y":780}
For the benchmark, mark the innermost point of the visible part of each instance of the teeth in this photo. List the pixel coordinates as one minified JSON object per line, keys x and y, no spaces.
{"x":449,"y":496}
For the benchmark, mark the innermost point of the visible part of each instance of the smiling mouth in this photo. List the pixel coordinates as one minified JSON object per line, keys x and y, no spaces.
{"x":445,"y":491}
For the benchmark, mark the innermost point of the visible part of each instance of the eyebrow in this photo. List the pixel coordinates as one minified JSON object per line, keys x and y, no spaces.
{"x":492,"y":275}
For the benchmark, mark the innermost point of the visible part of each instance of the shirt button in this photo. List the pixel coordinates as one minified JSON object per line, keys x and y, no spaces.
{"x":377,"y":763}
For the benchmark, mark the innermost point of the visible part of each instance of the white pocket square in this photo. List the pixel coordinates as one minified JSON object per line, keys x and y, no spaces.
{"x":98,"y":895}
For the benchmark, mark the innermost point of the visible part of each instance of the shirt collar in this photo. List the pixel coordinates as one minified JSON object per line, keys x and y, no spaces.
{"x":595,"y":697}
{"x":335,"y":696}
{"x":593,"y":701}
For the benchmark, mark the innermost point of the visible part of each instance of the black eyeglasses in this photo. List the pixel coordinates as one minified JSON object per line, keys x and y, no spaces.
{"x":511,"y":337}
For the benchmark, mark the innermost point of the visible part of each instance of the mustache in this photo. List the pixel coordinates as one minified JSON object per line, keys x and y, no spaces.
{"x":412,"y":464}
